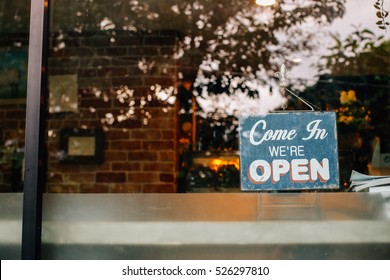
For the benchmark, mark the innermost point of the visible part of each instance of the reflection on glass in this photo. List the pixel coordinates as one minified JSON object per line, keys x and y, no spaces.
{"x":265,"y":2}
{"x":81,"y":146}
{"x":168,"y":80}
{"x":13,"y":87}
{"x":14,"y":33}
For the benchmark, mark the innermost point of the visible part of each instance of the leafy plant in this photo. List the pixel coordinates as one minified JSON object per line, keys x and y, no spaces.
{"x":382,"y":14}
{"x":351,"y":56}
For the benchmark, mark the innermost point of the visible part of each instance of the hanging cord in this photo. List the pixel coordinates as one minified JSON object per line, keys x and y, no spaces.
{"x":281,"y":74}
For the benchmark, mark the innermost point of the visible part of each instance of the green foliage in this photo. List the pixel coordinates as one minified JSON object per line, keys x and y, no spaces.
{"x":382,"y":14}
{"x":361,"y":53}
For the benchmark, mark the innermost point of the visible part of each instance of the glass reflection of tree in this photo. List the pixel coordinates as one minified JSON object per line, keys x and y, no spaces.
{"x":226,"y":46}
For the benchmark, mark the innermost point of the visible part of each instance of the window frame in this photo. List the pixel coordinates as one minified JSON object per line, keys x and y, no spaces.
{"x":34,"y":149}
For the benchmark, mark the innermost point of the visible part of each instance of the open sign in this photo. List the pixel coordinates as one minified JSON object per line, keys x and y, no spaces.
{"x":289,"y":151}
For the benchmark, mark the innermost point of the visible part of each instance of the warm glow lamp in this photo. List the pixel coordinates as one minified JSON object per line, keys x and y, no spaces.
{"x":265,"y":2}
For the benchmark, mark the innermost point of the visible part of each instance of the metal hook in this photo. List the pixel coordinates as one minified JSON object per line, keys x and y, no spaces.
{"x":281,"y":74}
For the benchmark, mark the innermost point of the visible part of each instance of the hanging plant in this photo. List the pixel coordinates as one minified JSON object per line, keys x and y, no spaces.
{"x":381,"y":14}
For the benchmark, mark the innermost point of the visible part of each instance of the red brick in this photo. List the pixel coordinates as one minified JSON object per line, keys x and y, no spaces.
{"x":94,"y":83}
{"x":127,"y":81}
{"x":168,"y":51}
{"x":115,"y":134}
{"x":113,"y":177}
{"x":78,"y":52}
{"x":71,"y":123}
{"x":63,"y":188}
{"x":92,"y":168}
{"x":153,"y":51}
{"x":103,"y":112}
{"x":141,"y":51}
{"x":126,"y":188}
{"x":72,"y":42}
{"x":115,"y":51}
{"x":162,"y":81}
{"x":95,"y":41}
{"x":95,"y":103}
{"x":61,"y":63}
{"x":61,"y":167}
{"x":159,"y":188}
{"x":79,"y":177}
{"x":158,"y":166}
{"x":91,"y":92}
{"x":86,"y":73}
{"x":124,"y":106}
{"x":114,"y":156}
{"x":85,"y":112}
{"x":168,"y":134}
{"x":126,"y":166}
{"x":160,"y":123}
{"x":94,"y":188}
{"x":125,"y":60}
{"x":142,"y":156}
{"x":158,"y":145}
{"x":112,"y":71}
{"x":133,"y":70}
{"x":54,"y":177}
{"x":91,"y":123}
{"x":95,"y":62}
{"x":140,"y":91}
{"x":169,"y":33}
{"x":128,"y":40}
{"x":125,"y":145}
{"x":128,"y":124}
{"x":160,"y":40}
{"x":144,"y":177}
{"x":54,"y":124}
{"x":167,"y":177}
{"x":159,"y":113}
{"x":146,"y":134}
{"x":167,"y":156}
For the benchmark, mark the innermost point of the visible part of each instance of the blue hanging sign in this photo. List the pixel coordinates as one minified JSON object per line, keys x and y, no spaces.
{"x":289,"y":151}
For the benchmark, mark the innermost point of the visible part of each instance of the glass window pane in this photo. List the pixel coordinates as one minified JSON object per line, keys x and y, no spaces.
{"x":145,"y":96}
{"x":14,"y":33}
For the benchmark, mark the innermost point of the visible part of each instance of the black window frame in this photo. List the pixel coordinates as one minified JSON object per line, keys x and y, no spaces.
{"x":35,"y":119}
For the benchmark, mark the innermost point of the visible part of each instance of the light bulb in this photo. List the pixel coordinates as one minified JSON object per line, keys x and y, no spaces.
{"x":265,"y":2}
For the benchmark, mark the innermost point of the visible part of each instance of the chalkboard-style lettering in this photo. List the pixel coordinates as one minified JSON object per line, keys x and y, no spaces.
{"x":301,"y":170}
{"x":270,"y":135}
{"x":289,"y":151}
{"x":315,"y":131}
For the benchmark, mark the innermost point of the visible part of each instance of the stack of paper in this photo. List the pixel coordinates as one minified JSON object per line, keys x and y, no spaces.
{"x":361,"y":182}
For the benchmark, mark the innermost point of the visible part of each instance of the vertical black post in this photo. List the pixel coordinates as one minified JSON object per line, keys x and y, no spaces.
{"x":35,"y":160}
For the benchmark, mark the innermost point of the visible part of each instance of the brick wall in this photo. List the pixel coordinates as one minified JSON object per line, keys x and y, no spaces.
{"x":140,"y":152}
